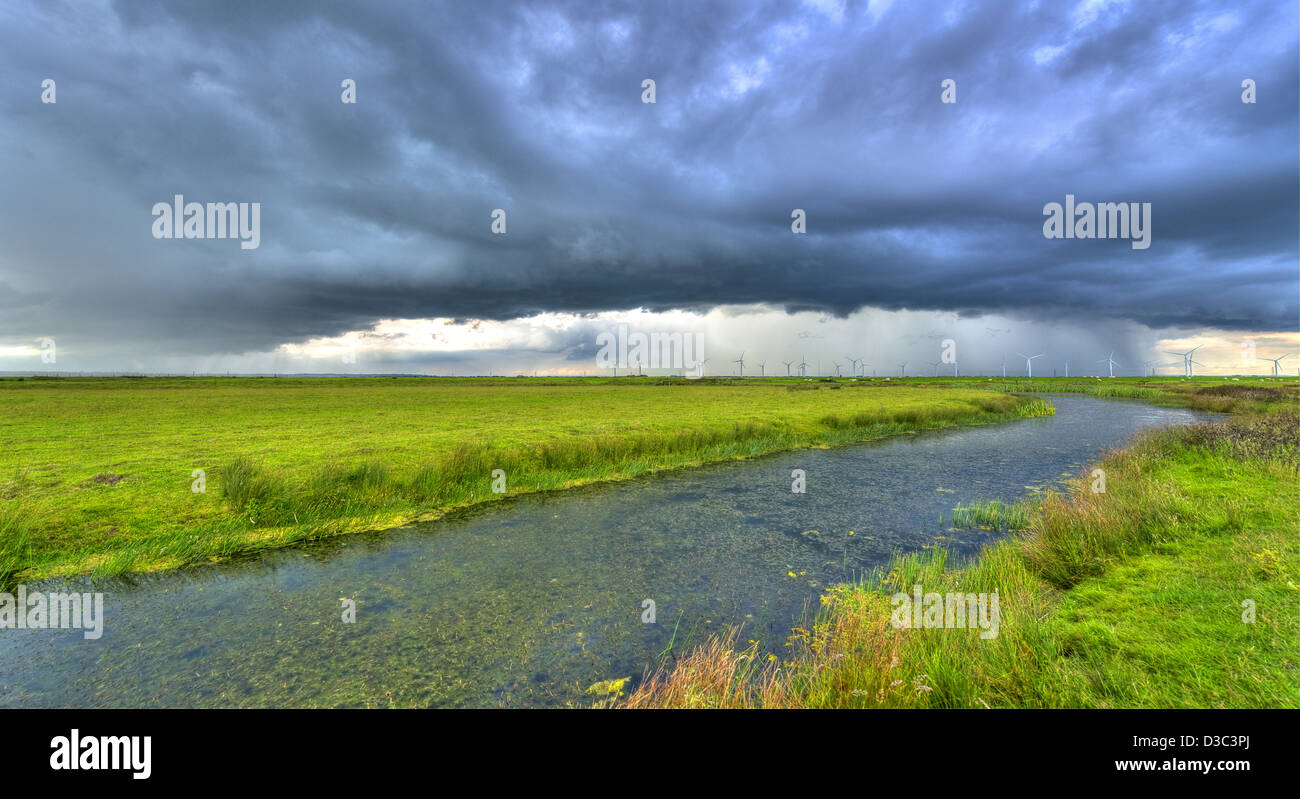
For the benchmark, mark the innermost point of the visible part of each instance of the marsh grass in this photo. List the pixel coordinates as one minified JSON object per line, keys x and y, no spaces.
{"x":1125,"y":391}
{"x":993,"y":514}
{"x":18,"y":526}
{"x":1257,"y":395}
{"x":462,"y":476}
{"x":1128,"y":598}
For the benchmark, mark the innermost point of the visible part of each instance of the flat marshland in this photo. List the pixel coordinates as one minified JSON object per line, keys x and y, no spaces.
{"x":110,"y":475}
{"x":1138,"y":595}
{"x":1178,"y":585}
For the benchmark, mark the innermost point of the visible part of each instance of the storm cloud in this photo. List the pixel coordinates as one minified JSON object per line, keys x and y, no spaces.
{"x":382,"y":209}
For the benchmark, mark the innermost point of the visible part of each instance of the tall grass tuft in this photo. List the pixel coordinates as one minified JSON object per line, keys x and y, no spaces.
{"x":712,"y":675}
{"x":994,"y":514}
{"x":18,"y":527}
{"x":243,"y":483}
{"x":1035,"y":406}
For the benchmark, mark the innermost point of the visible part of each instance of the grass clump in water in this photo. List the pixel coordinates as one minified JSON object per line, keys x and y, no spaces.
{"x":992,"y":515}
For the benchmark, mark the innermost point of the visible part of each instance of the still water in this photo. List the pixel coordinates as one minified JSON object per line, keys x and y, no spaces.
{"x":530,"y":601}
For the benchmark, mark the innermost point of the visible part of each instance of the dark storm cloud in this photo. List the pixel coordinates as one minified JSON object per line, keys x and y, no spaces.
{"x":381,"y":209}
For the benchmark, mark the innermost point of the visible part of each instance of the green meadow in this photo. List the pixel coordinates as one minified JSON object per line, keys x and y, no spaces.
{"x":1176,"y":586}
{"x":111,"y":475}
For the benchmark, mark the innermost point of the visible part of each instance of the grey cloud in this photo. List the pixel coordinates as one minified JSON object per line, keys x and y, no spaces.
{"x":381,"y":209}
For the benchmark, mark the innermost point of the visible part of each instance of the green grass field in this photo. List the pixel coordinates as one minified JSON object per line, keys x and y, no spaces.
{"x":1134,"y":597}
{"x":97,"y":474}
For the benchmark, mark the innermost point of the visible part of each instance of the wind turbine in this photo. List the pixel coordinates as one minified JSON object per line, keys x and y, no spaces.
{"x":837,"y":368}
{"x":803,"y":368}
{"x":1110,"y":362}
{"x":1004,"y":366}
{"x":787,"y":367}
{"x":936,"y":365}
{"x":1188,"y":371}
{"x":853,"y":364}
{"x":706,"y":360}
{"x":762,"y":368}
{"x":1067,"y":368}
{"x":1146,"y":367}
{"x":1277,"y":364}
{"x":741,"y":361}
{"x":1029,"y":362}
{"x":902,"y":369}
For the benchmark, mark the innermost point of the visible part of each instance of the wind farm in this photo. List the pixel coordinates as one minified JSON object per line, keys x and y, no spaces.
{"x":855,"y":367}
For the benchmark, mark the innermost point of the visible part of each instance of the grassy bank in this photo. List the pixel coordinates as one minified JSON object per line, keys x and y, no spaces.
{"x":98,"y":475}
{"x":1214,"y":394}
{"x":1135,"y":597}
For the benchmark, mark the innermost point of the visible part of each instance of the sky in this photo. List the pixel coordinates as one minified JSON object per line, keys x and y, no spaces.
{"x":924,"y":219}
